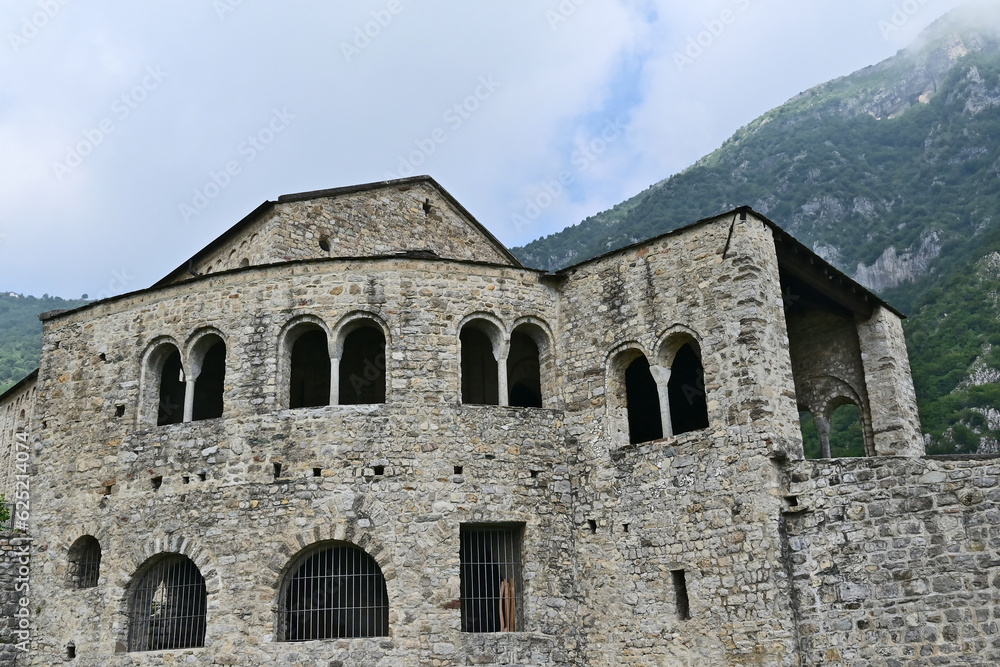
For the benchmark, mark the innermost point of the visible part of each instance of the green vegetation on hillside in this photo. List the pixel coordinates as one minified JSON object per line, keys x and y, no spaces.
{"x":21,"y":333}
{"x":900,"y":160}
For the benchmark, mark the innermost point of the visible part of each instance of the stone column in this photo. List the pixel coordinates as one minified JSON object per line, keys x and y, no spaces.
{"x":895,"y":423}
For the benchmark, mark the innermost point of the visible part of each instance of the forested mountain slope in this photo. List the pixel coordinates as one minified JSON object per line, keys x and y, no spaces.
{"x":21,"y":333}
{"x":893,"y":175}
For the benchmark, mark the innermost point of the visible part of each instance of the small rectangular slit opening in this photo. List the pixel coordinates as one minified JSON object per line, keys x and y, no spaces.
{"x":379,"y":470}
{"x":202,"y":477}
{"x":317,"y":472}
{"x":277,"y":470}
{"x":681,"y":594}
{"x":593,"y":525}
{"x":185,"y":479}
{"x":458,"y":470}
{"x":157,"y":482}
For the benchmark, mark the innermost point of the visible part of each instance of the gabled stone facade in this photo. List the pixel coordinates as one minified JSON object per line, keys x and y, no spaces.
{"x":601,"y":466}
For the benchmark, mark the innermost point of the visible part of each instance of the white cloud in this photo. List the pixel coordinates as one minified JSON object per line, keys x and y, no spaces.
{"x":561,"y":82}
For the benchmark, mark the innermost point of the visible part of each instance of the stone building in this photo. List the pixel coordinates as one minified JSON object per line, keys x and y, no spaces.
{"x":354,"y":430}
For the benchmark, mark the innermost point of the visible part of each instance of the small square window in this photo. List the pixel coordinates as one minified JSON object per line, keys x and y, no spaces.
{"x":491,"y":577}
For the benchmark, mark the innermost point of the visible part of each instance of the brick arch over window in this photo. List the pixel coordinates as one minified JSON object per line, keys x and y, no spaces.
{"x":681,"y":380}
{"x":84,"y":558}
{"x":634,"y":405}
{"x":360,"y":361}
{"x":163,"y":383}
{"x":483,"y":360}
{"x":530,"y":364}
{"x":332,"y":590}
{"x":207,"y":382}
{"x":167,"y":604}
{"x":304,"y":368}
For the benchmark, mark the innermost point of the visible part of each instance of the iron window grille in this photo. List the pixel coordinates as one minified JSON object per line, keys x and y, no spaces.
{"x":491,"y":582}
{"x":334,"y":592}
{"x":85,"y":562}
{"x":168,"y":607}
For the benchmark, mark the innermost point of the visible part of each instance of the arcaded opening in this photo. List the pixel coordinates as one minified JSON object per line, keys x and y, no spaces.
{"x":686,"y":392}
{"x":362,"y":366}
{"x":85,"y":562}
{"x":811,"y":446}
{"x":643,"y":402}
{"x":170,"y":408}
{"x":480,"y":375}
{"x":210,"y":384}
{"x":524,"y":372}
{"x":309,"y":377}
{"x":167,"y":606}
{"x":333,"y":592}
{"x":847,"y":437}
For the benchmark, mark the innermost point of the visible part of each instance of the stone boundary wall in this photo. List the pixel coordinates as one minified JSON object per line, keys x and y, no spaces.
{"x":896,"y":561}
{"x":10,"y":655}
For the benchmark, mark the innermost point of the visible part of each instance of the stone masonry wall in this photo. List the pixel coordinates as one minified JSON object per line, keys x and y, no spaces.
{"x":16,"y":418}
{"x":219,"y":502}
{"x":294,"y":229}
{"x":707,"y":501}
{"x":896,"y":561}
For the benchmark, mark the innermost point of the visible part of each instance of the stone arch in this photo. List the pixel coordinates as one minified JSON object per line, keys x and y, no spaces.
{"x":84,"y":562}
{"x":124,"y":575}
{"x":680,"y":378}
{"x":207,"y":354}
{"x":332,"y":589}
{"x":162,"y":394}
{"x":530,"y":372}
{"x":360,"y":359}
{"x":634,"y":408}
{"x":821,"y":395}
{"x":294,"y":329}
{"x":483,"y":360}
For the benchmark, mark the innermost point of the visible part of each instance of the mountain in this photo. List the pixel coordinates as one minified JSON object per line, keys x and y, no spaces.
{"x":893,"y":175}
{"x":21,"y":333}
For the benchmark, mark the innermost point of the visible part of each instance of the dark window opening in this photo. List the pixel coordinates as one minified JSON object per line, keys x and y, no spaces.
{"x":102,"y":356}
{"x":185,"y":479}
{"x":362,"y":367}
{"x":168,"y":607}
{"x":277,"y":470}
{"x":85,"y":562}
{"x":524,"y":372}
{"x":686,"y":392}
{"x":70,"y":651}
{"x":491,"y":578}
{"x":309,"y":382}
{"x":210,"y":385}
{"x":202,"y":477}
{"x":157,"y":482}
{"x":643,"y":401}
{"x":480,"y":378}
{"x":378,"y":470}
{"x":458,"y":470}
{"x":171,"y":395}
{"x":119,"y":411}
{"x":332,"y":593}
{"x":324,"y":243}
{"x":593,"y":525}
{"x":317,"y":472}
{"x":681,"y":594}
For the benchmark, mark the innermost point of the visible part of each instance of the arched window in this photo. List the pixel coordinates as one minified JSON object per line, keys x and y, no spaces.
{"x":524,"y":377}
{"x":209,"y":356}
{"x":167,"y":606}
{"x":85,"y":562}
{"x":642,"y":401}
{"x":686,"y":391}
{"x":333,"y":591}
{"x":362,"y":365}
{"x":846,"y":430}
{"x":309,"y":376}
{"x":480,"y":376}
{"x":166,"y":385}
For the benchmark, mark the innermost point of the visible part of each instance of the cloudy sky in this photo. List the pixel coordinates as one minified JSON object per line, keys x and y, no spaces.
{"x":133,"y":133}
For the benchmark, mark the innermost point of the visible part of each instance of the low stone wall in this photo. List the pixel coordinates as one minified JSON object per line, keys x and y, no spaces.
{"x":11,"y":580}
{"x":896,"y":561}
